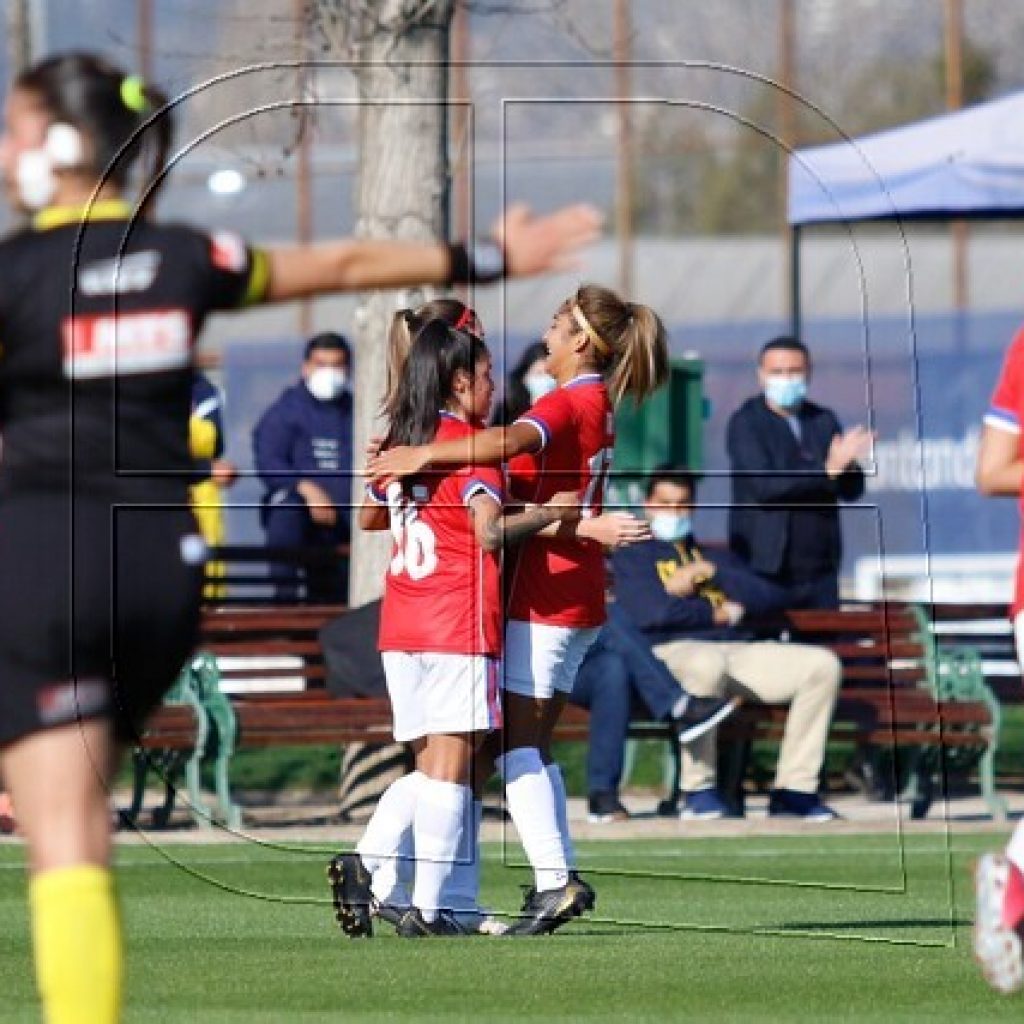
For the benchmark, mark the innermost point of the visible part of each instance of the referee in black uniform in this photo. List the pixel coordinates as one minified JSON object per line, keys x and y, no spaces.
{"x":100,"y":558}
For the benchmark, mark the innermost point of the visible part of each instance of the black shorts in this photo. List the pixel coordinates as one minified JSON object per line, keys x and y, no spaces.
{"x":99,"y":610}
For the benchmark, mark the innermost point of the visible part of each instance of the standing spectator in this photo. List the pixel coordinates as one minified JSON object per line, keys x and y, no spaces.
{"x":303,"y":448}
{"x":690,"y":604}
{"x":791,"y":464}
{"x":528,"y":383}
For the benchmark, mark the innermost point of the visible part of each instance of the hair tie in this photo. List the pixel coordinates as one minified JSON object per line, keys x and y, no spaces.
{"x":464,"y":317}
{"x":599,"y":343}
{"x":133,"y":94}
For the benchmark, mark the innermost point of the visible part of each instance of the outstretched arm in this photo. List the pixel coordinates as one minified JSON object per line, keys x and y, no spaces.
{"x":530,"y":245}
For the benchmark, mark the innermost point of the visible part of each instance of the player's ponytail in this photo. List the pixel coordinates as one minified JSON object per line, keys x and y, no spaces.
{"x":113,"y":113}
{"x":404,"y":326}
{"x":426,"y":386}
{"x":628,"y":341}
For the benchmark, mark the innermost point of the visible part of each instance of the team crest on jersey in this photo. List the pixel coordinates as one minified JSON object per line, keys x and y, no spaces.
{"x":106,"y":345}
{"x":227,"y":252}
{"x":134,"y":272}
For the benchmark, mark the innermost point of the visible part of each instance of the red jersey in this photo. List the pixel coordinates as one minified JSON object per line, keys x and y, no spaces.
{"x":562,"y":582}
{"x":1006,"y":412}
{"x":441,"y":591}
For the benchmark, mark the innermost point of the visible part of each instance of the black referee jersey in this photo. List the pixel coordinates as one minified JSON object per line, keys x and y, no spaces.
{"x":98,"y":588}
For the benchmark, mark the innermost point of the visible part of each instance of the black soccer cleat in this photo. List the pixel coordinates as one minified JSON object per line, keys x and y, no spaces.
{"x":543,"y":912}
{"x":351,"y":895}
{"x":390,"y":912}
{"x":414,"y":926}
{"x":588,"y":898}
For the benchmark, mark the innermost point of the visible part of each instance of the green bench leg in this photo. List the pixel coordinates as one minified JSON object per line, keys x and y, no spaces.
{"x":222,"y":715}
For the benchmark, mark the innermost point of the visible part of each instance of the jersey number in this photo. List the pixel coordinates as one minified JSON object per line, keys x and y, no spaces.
{"x":415,"y":543}
{"x":598,"y":464}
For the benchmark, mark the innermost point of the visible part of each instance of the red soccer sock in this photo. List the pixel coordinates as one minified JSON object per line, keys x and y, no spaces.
{"x":1013,"y":902}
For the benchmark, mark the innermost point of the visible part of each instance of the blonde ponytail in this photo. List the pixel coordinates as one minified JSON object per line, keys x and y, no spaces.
{"x":633,"y":348}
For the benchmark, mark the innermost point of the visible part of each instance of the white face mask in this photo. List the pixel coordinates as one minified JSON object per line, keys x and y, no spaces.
{"x":35,"y":179}
{"x":326,"y":383}
{"x":671,"y":526}
{"x":539,"y":384}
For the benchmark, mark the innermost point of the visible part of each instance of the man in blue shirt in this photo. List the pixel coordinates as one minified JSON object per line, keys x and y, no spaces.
{"x":303,"y":451}
{"x":690,"y":604}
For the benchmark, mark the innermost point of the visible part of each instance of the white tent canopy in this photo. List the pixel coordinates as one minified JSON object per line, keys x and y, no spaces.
{"x":969,"y":163}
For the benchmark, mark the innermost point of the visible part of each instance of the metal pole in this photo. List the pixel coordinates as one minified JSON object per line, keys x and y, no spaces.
{"x":787,"y":137}
{"x":624,"y":162}
{"x":304,"y":160}
{"x":794,"y":281}
{"x":954,"y":50}
{"x":19,"y":36}
{"x":144,"y":38}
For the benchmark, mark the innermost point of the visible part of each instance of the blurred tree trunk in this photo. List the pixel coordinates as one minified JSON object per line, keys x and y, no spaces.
{"x":401,"y":49}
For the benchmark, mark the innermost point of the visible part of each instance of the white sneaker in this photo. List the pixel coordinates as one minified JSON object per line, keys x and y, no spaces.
{"x":996,"y":947}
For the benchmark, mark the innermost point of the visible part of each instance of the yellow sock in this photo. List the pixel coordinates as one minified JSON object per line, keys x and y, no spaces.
{"x":77,"y":938}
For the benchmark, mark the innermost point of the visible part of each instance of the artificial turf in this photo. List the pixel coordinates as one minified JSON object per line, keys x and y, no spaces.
{"x":810,"y":928}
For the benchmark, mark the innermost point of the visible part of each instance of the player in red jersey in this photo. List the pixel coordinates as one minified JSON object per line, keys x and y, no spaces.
{"x":600,"y":349}
{"x":999,"y":878}
{"x":440,"y":634}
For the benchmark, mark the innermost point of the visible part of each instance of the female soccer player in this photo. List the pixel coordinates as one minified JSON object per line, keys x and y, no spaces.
{"x":600,"y":349}
{"x":440,"y":633}
{"x":99,"y":594}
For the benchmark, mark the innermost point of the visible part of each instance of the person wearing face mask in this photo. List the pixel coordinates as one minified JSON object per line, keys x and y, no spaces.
{"x":303,"y":454}
{"x":792,"y":463}
{"x":690,"y":604}
{"x":527,"y":384}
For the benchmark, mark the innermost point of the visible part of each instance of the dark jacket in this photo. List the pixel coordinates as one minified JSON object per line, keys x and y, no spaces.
{"x":662,"y":617}
{"x":777,"y":481}
{"x":300,"y":438}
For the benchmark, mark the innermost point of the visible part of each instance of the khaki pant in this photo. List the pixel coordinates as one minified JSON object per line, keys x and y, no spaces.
{"x":807,"y":678}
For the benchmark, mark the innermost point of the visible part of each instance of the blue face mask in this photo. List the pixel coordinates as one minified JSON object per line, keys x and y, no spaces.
{"x":539,"y":385}
{"x":786,"y":392}
{"x":671,"y":526}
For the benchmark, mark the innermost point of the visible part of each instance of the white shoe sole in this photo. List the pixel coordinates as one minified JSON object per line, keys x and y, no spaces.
{"x":996,"y":947}
{"x":696,"y":731}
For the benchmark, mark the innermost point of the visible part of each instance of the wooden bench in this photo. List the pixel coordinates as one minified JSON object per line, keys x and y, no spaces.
{"x":246,"y":570}
{"x":269,"y":690}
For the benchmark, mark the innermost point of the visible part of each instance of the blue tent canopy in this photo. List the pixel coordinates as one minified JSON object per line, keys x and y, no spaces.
{"x":964,"y":164}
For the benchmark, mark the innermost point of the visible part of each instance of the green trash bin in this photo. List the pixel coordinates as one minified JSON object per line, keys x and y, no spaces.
{"x":667,"y":428}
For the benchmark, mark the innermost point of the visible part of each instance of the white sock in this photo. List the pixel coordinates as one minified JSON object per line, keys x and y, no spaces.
{"x":462,"y":890}
{"x":442,"y":812}
{"x":393,"y":878}
{"x":531,"y":802}
{"x":383,"y":841}
{"x":562,"y":813}
{"x":1015,"y":847}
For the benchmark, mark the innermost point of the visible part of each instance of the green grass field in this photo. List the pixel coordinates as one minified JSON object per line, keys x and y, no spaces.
{"x":813,"y":928}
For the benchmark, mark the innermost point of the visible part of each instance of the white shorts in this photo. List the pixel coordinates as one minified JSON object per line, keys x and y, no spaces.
{"x":433,"y":693}
{"x":542,"y":660}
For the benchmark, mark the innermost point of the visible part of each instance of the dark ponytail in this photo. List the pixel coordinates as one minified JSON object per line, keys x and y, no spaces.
{"x":428,"y":376}
{"x":114,"y":111}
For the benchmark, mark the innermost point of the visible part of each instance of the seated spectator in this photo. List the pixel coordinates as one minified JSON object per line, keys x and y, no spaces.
{"x":620,"y":678}
{"x":690,"y":606}
{"x":528,"y":382}
{"x":303,"y":451}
